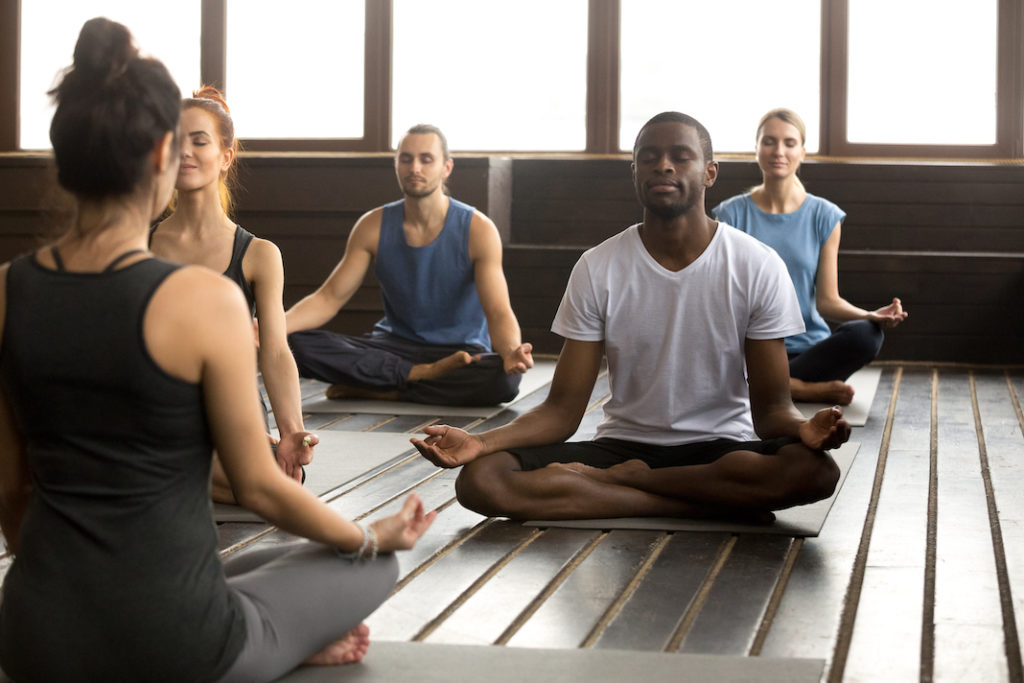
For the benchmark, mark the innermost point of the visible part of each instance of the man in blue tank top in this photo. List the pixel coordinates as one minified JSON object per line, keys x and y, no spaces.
{"x":448,"y":335}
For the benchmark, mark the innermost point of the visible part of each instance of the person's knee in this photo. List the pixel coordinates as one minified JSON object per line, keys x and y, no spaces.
{"x":507,"y":387}
{"x":867,"y":338}
{"x":825,"y":478}
{"x":811,"y":476}
{"x":482,"y":486}
{"x":387,"y":566}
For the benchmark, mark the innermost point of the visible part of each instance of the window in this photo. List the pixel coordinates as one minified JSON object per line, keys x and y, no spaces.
{"x":724,"y":63}
{"x":934,"y":84}
{"x":492,"y":76}
{"x":295,"y":70}
{"x":49,"y":29}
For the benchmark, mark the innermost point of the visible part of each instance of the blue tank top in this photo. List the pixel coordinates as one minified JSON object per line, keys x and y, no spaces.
{"x":430,"y":292}
{"x":798,"y":238}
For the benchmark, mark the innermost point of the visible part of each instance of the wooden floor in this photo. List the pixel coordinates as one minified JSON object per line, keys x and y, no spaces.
{"x":918,"y":573}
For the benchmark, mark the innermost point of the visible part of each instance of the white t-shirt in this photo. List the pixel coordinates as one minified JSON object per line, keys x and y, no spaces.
{"x":675,"y":340}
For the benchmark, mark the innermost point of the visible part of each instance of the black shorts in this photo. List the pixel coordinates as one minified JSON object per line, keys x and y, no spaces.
{"x":606,"y":452}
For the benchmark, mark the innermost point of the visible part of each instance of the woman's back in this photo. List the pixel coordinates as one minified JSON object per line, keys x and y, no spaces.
{"x":118,"y":549}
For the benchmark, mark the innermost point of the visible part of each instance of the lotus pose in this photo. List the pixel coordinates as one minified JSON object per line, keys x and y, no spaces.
{"x":691,"y":314}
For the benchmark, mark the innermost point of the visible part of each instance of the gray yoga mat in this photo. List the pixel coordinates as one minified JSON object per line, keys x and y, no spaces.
{"x":538,"y":376}
{"x":338,"y":458}
{"x":865,"y":384}
{"x":800,"y":521}
{"x":399,"y":662}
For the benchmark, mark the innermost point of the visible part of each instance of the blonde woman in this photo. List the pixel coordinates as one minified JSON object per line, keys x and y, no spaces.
{"x":805,"y":230}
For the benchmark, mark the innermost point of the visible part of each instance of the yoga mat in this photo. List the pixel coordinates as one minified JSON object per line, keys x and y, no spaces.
{"x":538,"y":376}
{"x":802,"y":520}
{"x":338,"y":458}
{"x":399,"y":662}
{"x":865,"y":384}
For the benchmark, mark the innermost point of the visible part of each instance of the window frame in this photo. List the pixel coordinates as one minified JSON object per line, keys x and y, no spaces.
{"x":1009,"y":105}
{"x":603,"y":87}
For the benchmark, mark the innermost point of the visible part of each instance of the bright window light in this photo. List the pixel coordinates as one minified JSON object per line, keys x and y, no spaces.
{"x":295,"y":69}
{"x":922,"y":72}
{"x":724,"y":63}
{"x":49,"y":29}
{"x":492,"y":76}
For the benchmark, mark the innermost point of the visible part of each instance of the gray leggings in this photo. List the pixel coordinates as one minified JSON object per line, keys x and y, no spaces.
{"x":298,"y":598}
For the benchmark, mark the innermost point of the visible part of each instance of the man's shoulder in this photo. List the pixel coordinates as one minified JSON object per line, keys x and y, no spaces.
{"x":612,"y":246}
{"x":742,"y":241}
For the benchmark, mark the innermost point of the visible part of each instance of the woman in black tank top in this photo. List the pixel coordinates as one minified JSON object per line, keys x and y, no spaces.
{"x":201,"y":232}
{"x":119,"y":373}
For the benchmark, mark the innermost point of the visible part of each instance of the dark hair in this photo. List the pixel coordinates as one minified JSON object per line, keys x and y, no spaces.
{"x":677,"y":117}
{"x":112,"y":107}
{"x":427,"y":129}
{"x":210,"y":100}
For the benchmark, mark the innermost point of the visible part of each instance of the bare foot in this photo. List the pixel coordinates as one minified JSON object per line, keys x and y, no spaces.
{"x":349,"y":649}
{"x":835,"y":392}
{"x":624,"y":474}
{"x":441,"y":367}
{"x":337,"y":391}
{"x":576,"y":467}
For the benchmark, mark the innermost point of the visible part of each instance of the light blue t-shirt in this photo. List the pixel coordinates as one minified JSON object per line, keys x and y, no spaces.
{"x":798,"y":238}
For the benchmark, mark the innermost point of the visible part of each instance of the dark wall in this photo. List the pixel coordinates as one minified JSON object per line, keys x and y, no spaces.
{"x":946,"y":238}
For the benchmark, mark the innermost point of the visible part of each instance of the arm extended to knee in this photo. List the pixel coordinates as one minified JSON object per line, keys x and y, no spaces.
{"x":556,"y":419}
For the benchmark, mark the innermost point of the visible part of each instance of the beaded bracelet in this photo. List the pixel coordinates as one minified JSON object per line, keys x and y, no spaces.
{"x":367,"y":549}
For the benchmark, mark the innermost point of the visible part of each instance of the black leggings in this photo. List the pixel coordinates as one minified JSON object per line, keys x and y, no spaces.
{"x":849,"y":348}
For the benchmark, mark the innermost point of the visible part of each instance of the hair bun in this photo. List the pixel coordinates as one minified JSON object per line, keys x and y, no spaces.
{"x":104,"y":49}
{"x":208,"y":92}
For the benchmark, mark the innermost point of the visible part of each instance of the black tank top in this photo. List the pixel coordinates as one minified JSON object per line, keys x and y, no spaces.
{"x":117,"y":576}
{"x":243,"y":238}
{"x":240,"y":245}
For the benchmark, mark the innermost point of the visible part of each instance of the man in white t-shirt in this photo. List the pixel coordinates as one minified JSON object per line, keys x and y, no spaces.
{"x":691,"y":314}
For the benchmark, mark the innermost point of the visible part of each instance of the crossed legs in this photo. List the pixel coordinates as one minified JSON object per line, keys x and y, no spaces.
{"x":738,"y":483}
{"x":819,"y":374}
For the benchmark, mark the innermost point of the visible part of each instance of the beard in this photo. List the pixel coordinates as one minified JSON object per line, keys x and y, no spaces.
{"x":418,"y":192}
{"x":673,"y":210}
{"x":670,"y":211}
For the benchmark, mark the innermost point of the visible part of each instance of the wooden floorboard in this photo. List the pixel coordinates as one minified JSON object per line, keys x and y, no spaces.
{"x":917,"y":574}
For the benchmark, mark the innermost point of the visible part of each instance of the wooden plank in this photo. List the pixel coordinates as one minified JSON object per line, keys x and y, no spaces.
{"x":453,"y":524}
{"x":488,"y":612}
{"x":409,"y":423}
{"x":1001,"y":428}
{"x":738,"y":598}
{"x":651,"y":615}
{"x":359,"y":422}
{"x":807,"y":619}
{"x":968,"y":643}
{"x":406,"y":612}
{"x":389,"y":485}
{"x":567,"y":617}
{"x":890,"y":607}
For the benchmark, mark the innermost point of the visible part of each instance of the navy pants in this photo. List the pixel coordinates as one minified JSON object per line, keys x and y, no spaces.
{"x":850,"y":347}
{"x":381,"y":362}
